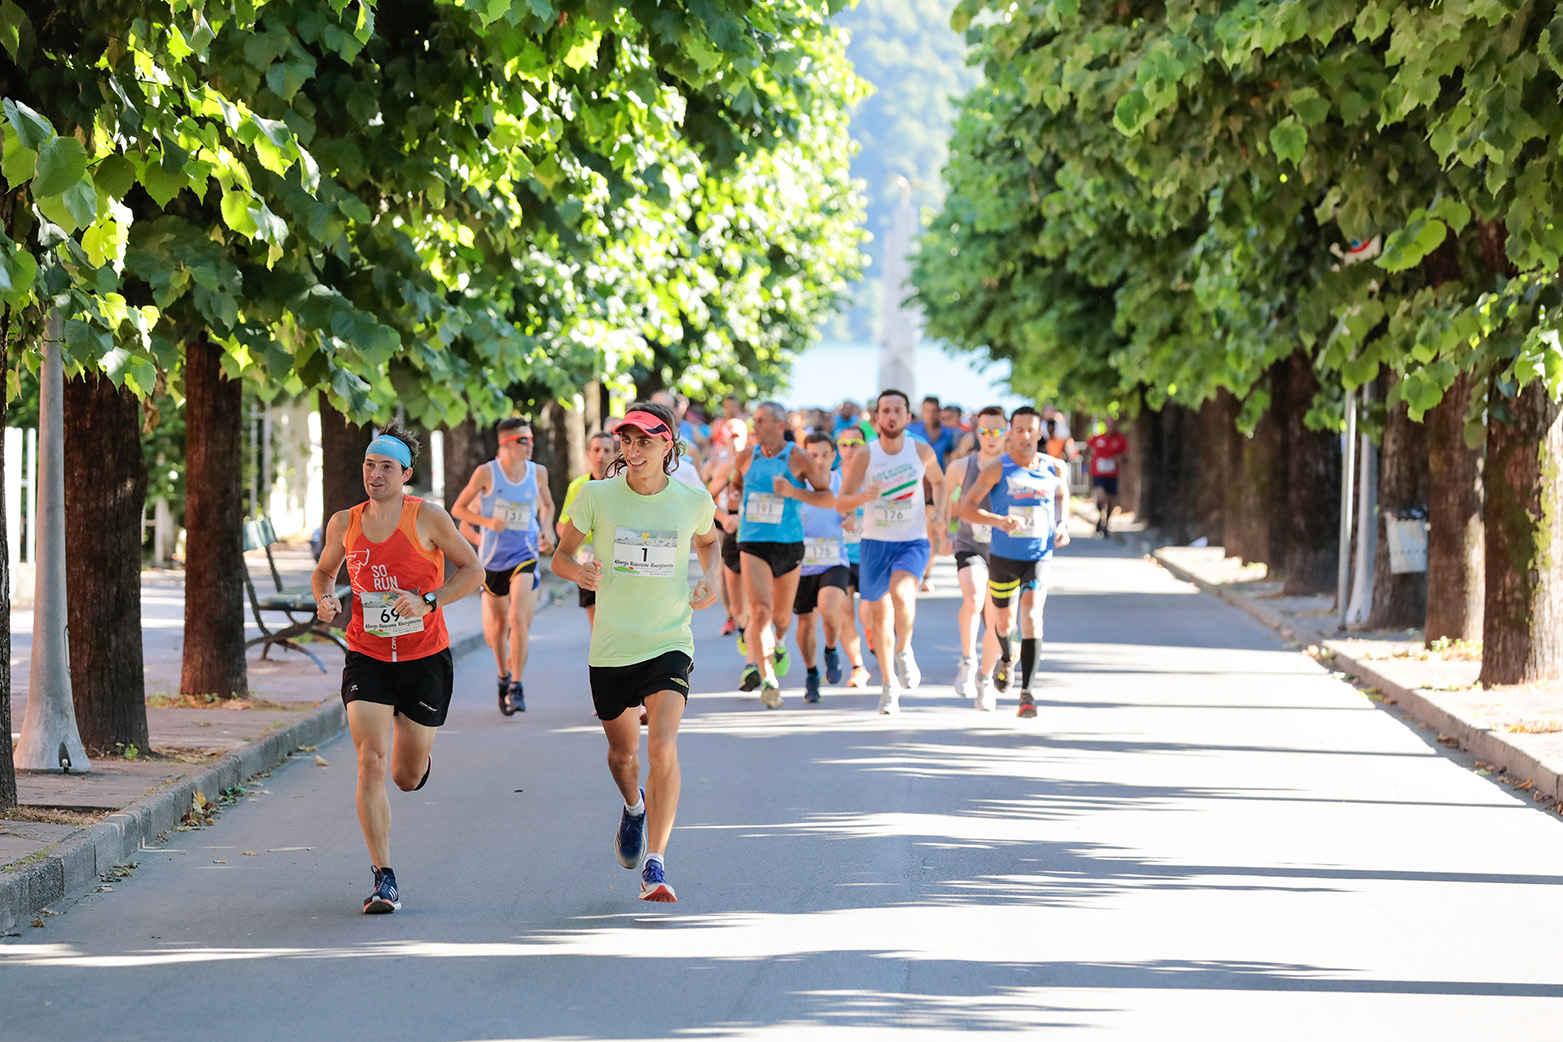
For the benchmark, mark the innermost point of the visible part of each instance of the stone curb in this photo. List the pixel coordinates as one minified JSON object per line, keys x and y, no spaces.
{"x":72,"y":867}
{"x":1481,"y":742}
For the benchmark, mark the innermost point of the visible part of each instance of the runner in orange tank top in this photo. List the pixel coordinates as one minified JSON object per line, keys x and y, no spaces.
{"x":397,"y":675}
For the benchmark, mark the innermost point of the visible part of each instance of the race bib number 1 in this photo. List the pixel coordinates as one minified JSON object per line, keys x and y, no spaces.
{"x":651,"y":555}
{"x":764,"y":508}
{"x":380,"y":617}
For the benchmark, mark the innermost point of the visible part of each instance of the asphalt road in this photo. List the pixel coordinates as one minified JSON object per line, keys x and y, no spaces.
{"x":1203,"y":835}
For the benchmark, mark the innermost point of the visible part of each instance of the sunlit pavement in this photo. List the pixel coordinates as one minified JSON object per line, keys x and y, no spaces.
{"x":1201,"y":835}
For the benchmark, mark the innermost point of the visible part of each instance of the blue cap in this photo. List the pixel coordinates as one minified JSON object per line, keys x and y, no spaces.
{"x":386,"y":445}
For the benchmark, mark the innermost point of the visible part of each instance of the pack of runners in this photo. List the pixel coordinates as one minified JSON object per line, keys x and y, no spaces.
{"x":829,"y":521}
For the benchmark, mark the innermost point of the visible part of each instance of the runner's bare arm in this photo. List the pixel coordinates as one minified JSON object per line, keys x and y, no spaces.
{"x":704,"y":593}
{"x":852,"y":494}
{"x":545,"y":511}
{"x":1061,"y":498}
{"x":973,"y":514}
{"x":587,"y":576}
{"x":462,"y":509}
{"x":323,"y":582}
{"x":934,"y":475}
{"x":437,"y":527}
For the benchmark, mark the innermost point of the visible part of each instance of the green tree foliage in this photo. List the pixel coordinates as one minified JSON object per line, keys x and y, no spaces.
{"x":429,"y":215}
{"x":1205,"y":166}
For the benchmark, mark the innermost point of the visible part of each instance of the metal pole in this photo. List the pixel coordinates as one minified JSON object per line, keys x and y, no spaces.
{"x":1348,"y":475}
{"x":50,"y":741}
{"x":1361,"y":604}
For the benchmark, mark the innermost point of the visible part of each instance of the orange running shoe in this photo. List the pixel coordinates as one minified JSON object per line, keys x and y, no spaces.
{"x":859,"y":677}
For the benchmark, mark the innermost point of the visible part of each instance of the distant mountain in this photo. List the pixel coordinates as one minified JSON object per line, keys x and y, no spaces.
{"x":917,"y":65}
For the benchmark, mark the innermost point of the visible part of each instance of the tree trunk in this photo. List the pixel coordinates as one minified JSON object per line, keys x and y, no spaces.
{"x":1216,"y":417}
{"x":342,"y":446}
{"x":7,"y":762}
{"x":1522,"y":632}
{"x":1455,"y":586}
{"x":466,"y":449}
{"x":105,"y":502}
{"x":1399,"y":601}
{"x":1313,"y":465}
{"x":1261,"y":479}
{"x":1143,"y":447}
{"x":214,"y":662}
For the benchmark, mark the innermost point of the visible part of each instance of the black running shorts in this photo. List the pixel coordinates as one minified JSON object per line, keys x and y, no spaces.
{"x":730,"y":552}
{"x":781,"y":558}
{"x":418,"y":688}
{"x":617,"y":688}
{"x":963,"y":558}
{"x":496,"y":583}
{"x":1009,"y":578}
{"x":809,"y":586}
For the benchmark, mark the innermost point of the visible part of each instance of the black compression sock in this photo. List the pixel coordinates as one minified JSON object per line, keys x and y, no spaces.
{"x":1007,"y":647}
{"x":1028,"y":661}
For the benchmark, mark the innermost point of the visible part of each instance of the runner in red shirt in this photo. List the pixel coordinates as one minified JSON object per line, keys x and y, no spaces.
{"x":1108,"y":450}
{"x":397,"y":676}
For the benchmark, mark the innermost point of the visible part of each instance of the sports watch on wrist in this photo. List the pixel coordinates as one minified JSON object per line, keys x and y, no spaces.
{"x":431,"y":599}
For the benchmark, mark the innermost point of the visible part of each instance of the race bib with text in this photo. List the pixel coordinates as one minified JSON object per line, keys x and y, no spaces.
{"x":650,"y":555}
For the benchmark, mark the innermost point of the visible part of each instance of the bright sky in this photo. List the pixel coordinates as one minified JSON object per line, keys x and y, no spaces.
{"x":829,"y":372}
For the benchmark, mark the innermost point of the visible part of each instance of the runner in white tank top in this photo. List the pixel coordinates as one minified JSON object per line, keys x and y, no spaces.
{"x":887,"y":482}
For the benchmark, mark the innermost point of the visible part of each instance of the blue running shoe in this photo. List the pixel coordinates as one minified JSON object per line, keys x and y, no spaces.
{"x":383,"y":899}
{"x":654,"y":885}
{"x":832,"y":666}
{"x":811,"y":686}
{"x":630,"y":842}
{"x":517,"y":698}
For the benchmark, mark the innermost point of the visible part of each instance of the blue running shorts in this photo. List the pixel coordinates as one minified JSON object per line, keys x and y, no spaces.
{"x":879,"y":560}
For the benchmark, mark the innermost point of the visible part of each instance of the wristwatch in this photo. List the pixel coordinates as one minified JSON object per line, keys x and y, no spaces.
{"x":431,"y":599}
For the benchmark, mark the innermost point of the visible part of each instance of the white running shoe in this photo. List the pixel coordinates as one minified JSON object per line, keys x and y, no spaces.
{"x":987,"y":695}
{"x":906,"y":669}
{"x":770,"y":695}
{"x":889,"y":700}
{"x":964,"y":674}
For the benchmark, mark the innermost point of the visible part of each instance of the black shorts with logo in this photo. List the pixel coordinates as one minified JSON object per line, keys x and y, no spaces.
{"x":809,"y":586}
{"x":496,"y":583}
{"x":418,"y":688}
{"x":617,"y":688}
{"x":780,"y":557}
{"x":1108,"y":485}
{"x":588,"y":598}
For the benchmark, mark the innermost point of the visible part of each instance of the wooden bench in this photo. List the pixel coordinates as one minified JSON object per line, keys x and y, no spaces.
{"x":290,"y":601}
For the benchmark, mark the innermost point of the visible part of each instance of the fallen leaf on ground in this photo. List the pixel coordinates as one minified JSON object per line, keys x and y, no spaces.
{"x":247,"y":853}
{"x":320,"y":761}
{"x":1529,"y":783}
{"x":37,"y":922}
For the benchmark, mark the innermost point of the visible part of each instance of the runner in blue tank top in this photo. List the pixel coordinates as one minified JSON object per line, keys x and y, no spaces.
{"x":1028,"y":494}
{"x":509,"y":502}
{"x":823,"y":587}
{"x":776,"y":477}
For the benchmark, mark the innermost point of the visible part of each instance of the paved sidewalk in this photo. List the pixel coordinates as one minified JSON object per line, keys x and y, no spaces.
{"x":1515,"y":732}
{"x":87,"y":823}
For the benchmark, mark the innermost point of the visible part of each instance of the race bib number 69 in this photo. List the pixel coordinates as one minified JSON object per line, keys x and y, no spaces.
{"x":381,"y":618}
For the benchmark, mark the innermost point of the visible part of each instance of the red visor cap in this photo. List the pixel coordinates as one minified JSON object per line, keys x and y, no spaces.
{"x":645,"y":421}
